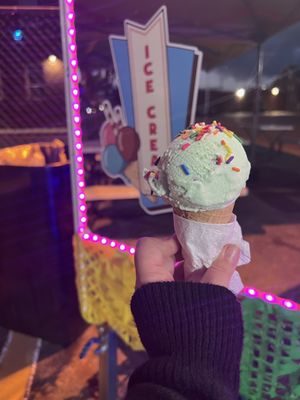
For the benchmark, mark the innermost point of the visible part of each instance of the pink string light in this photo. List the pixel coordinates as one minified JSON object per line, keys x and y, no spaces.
{"x":271,"y":298}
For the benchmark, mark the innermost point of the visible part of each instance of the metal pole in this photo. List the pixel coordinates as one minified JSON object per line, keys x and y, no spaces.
{"x":257,"y":100}
{"x":65,"y":43}
{"x":107,"y":364}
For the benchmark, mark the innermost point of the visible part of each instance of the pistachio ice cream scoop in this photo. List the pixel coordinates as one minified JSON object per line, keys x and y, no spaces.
{"x":204,"y":168}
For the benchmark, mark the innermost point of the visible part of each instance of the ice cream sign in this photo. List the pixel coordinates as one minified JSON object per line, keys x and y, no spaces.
{"x":158,"y":86}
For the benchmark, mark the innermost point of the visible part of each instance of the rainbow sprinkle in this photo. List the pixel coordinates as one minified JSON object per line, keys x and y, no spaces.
{"x":200,"y":136}
{"x":236,"y":169}
{"x":227,"y":147}
{"x":185,"y":169}
{"x":193,"y":134}
{"x":228,"y":161}
{"x":219,"y":160}
{"x":185,"y":135}
{"x":185,"y":146}
{"x":205,"y":129}
{"x":228,"y":133}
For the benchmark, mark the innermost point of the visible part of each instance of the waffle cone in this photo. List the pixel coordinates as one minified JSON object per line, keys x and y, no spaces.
{"x":219,"y":216}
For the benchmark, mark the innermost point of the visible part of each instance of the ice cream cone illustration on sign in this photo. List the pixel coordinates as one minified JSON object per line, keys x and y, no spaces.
{"x":119,"y":146}
{"x":158,"y":86}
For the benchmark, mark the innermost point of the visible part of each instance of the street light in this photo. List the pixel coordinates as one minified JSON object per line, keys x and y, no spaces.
{"x":52,"y":58}
{"x":240,"y":93}
{"x":275,"y":91}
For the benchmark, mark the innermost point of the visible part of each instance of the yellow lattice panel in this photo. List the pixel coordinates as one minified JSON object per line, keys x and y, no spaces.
{"x":105,"y":283}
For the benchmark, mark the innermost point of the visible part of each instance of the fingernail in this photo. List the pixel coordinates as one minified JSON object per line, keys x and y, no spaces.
{"x":232,"y":253}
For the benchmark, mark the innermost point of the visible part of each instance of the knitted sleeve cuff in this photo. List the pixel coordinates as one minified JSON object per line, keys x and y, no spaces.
{"x":189,"y":317}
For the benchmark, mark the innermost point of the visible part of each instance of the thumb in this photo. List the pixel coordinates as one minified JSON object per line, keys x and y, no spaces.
{"x":223,"y":267}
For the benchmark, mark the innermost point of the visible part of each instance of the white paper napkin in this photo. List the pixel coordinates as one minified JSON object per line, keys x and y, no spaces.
{"x":202,"y":242}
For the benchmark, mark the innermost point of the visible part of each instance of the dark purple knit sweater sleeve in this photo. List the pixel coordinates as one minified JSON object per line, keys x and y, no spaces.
{"x":193,"y":335}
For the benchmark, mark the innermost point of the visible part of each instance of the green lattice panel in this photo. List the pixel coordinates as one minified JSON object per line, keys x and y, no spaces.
{"x":270,"y":367}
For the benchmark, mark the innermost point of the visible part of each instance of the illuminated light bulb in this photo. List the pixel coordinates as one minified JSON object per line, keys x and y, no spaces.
{"x":77,"y":132}
{"x":52,"y":58}
{"x":79,"y":159}
{"x":76,"y":106}
{"x":240,"y":93}
{"x":78,"y":146}
{"x":80,"y":171}
{"x":73,"y":63}
{"x":70,"y":16}
{"x":71,"y":31}
{"x":75,"y":92}
{"x":269,"y":297}
{"x":82,"y":208}
{"x":132,"y":250}
{"x":122,"y":247}
{"x":112,"y":244}
{"x":76,"y":119}
{"x":81,"y":196}
{"x":86,"y":236}
{"x":81,"y":184}
{"x":288,"y":304}
{"x":18,"y":35}
{"x":275,"y":91}
{"x":72,"y":47}
{"x":95,"y":238}
{"x":252,"y":292}
{"x":83,"y":219}
{"x":103,"y":241}
{"x":74,"y":78}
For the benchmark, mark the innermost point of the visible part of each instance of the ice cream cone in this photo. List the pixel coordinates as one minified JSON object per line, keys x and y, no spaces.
{"x":132,"y":174}
{"x":219,"y":216}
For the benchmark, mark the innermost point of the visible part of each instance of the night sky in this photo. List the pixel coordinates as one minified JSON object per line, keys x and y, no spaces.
{"x":280,"y":51}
